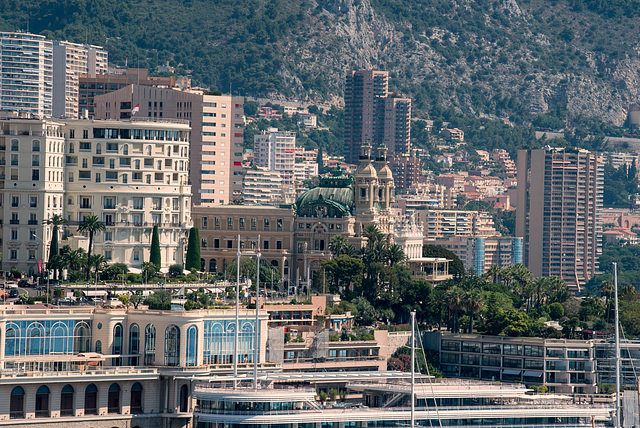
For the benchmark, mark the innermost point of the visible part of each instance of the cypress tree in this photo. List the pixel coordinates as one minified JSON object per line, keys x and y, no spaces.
{"x":155,"y":257}
{"x":53,"y":245}
{"x":320,"y":162}
{"x":193,"y":250}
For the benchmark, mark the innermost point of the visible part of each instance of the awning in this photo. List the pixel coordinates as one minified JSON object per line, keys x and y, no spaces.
{"x":532,"y":374}
{"x":511,"y":372}
{"x":135,"y":270}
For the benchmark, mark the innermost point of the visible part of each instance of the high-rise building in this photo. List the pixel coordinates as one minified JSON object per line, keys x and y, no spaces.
{"x":217,"y":125}
{"x":70,"y":60}
{"x":275,"y":151}
{"x":26,"y":73}
{"x":372,"y":116}
{"x":364,"y":95}
{"x":559,"y":195}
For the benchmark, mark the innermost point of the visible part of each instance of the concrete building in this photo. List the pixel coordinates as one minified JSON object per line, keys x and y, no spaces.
{"x":480,"y":253}
{"x":100,"y":84}
{"x":70,"y":61}
{"x":406,"y":170}
{"x":86,"y":366}
{"x":443,"y":224}
{"x":372,"y":116}
{"x":262,"y":187}
{"x":32,"y":177}
{"x":217,"y":125}
{"x":275,"y":151}
{"x":131,"y":175}
{"x":26,"y":73}
{"x":397,"y":125}
{"x":559,"y":198}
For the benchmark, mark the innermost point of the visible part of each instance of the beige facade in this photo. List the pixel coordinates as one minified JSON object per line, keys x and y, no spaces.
{"x":217,"y":125}
{"x":559,"y":197}
{"x":442,"y":224}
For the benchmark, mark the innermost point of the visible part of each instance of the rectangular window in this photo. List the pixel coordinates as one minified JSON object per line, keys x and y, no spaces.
{"x":35,"y":175}
{"x":229,"y":223}
{"x":108,"y":236}
{"x":241,"y":223}
{"x":229,"y":244}
{"x":107,"y":254}
{"x":216,"y":243}
{"x":205,"y":222}
{"x":33,"y":201}
{"x":265,"y":245}
{"x":216,"y":222}
{"x":203,"y":243}
{"x":278,"y":245}
{"x":279,"y":224}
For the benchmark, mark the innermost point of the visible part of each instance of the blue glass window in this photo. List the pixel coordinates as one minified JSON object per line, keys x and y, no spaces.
{"x":192,"y":345}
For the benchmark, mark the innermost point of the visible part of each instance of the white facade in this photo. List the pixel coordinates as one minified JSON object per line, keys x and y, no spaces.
{"x":262,"y":187}
{"x":131,"y":175}
{"x":275,"y":151}
{"x":70,"y":60}
{"x":305,"y":171}
{"x":26,"y":73}
{"x":32,"y":183}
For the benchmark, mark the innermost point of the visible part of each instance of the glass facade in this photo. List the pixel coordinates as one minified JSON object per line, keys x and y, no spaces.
{"x":46,"y":336}
{"x":219,"y":341}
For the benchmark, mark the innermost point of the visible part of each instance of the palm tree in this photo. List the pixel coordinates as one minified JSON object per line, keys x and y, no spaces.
{"x":493,"y":272}
{"x":150,"y":269}
{"x":56,"y":220}
{"x":473,"y":302}
{"x":98,"y":262}
{"x":339,"y":245}
{"x":73,"y":259}
{"x":395,"y":255}
{"x":91,"y":224}
{"x":606,"y":291}
{"x":454,"y":300}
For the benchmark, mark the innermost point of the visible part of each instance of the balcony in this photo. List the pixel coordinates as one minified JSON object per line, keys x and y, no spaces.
{"x":32,"y":222}
{"x":14,"y":221}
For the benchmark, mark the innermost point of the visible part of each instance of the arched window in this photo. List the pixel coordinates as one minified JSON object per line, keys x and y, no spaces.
{"x":184,"y":398}
{"x":81,"y":338}
{"x":98,"y":149}
{"x":149,"y":345}
{"x":148,"y":150}
{"x":172,"y":345}
{"x":192,"y":345}
{"x":16,"y":406}
{"x":213,"y":265}
{"x":274,"y":263}
{"x":113,"y":400}
{"x":91,"y":400}
{"x":66,"y":401}
{"x":116,"y":348}
{"x":134,"y":343}
{"x":35,"y":339}
{"x":71,"y":148}
{"x":125,"y":149}
{"x":136,"y":398}
{"x":98,"y":347}
{"x":59,"y":335}
{"x":11,"y":342}
{"x":42,"y":402}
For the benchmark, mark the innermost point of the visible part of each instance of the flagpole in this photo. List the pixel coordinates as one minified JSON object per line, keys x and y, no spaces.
{"x":236,"y":330}
{"x":256,"y":329}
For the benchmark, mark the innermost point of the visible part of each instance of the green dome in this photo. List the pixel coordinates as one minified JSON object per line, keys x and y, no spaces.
{"x":326,"y":202}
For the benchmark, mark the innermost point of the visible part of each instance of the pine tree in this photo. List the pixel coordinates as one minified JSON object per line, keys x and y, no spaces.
{"x":155,"y":257}
{"x":193,"y":250}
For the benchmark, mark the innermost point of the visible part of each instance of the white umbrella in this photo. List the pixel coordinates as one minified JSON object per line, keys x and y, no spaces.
{"x":135,"y":270}
{"x":164,"y":270}
{"x":186,"y":272}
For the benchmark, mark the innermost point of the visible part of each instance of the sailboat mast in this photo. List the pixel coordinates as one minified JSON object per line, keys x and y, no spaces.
{"x":615,"y":288}
{"x":256,"y":329}
{"x":413,"y":369}
{"x":236,"y":332}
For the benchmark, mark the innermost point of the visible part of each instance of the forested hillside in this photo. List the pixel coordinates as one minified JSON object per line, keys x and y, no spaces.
{"x":505,"y":59}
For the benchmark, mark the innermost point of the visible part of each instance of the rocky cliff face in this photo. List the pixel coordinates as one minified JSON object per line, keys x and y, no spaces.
{"x":511,"y":57}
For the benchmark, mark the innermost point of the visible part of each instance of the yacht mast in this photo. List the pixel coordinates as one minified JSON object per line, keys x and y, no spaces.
{"x":615,"y":288}
{"x":413,"y":369}
{"x":235,"y":330}
{"x":256,"y":328}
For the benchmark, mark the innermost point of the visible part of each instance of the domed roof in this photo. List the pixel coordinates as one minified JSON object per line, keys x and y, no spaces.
{"x":385,"y":172}
{"x":366,"y":170}
{"x":326,"y":201}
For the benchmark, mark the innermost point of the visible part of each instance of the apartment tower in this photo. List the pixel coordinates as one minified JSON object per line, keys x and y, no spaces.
{"x":26,"y":73}
{"x":70,"y":60}
{"x":275,"y":151}
{"x":559,"y":196}
{"x":372,"y":116}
